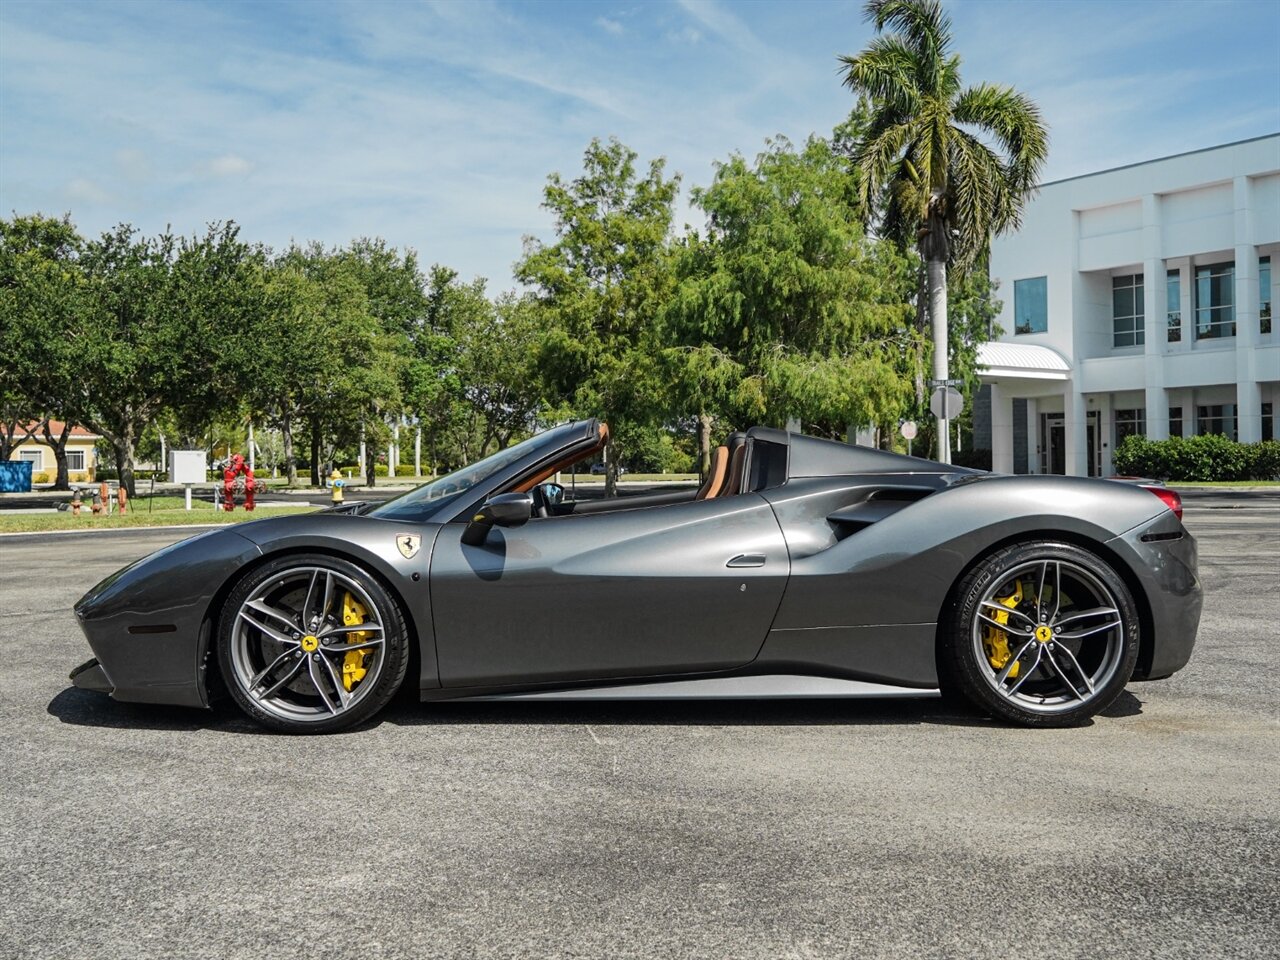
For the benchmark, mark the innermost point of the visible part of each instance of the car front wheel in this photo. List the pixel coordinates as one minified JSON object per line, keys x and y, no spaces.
{"x":311,"y":644}
{"x":1043,"y":634}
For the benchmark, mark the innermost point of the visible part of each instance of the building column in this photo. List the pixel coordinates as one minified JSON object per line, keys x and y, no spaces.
{"x":1155,"y":324}
{"x":1190,"y":423}
{"x":1033,"y":435}
{"x":1076,"y":426}
{"x":1001,"y":430}
{"x":1248,"y":391}
{"x":1105,"y":414}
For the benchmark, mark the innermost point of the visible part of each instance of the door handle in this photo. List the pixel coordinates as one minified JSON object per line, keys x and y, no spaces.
{"x":747,"y":560}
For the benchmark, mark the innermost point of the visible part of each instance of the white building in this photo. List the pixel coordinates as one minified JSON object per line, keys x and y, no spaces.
{"x":1137,"y":299}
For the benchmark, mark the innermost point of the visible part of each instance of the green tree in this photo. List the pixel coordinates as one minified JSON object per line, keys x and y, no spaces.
{"x":784,"y":309}
{"x":498,"y":367}
{"x":601,"y":286}
{"x":394,"y":297}
{"x":143,"y":331}
{"x":41,"y":290}
{"x":319,"y":352}
{"x":926,"y":171}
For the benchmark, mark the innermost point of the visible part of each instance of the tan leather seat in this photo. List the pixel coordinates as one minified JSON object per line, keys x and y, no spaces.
{"x":737,"y":467}
{"x":717,"y":473}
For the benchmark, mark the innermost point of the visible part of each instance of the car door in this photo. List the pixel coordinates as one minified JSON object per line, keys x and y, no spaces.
{"x":631,"y":593}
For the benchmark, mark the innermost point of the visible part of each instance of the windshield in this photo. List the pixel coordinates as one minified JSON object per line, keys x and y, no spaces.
{"x":430,"y":497}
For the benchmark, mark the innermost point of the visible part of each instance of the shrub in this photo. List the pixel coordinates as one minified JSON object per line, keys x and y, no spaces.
{"x":1204,"y":458}
{"x":1264,"y":460}
{"x":41,"y":477}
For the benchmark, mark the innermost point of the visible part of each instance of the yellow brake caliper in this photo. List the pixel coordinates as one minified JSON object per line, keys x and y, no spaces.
{"x":353,"y":668}
{"x":995,"y":641}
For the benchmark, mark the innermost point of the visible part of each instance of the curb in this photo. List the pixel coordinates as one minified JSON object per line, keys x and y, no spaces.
{"x":117,"y":530}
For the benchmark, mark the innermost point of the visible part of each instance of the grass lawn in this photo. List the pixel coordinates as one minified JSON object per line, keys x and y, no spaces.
{"x":1223,"y":483}
{"x":164,"y":512}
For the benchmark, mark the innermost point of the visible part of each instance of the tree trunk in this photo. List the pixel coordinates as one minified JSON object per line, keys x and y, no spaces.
{"x":938,"y":317}
{"x":59,"y":445}
{"x":610,"y":470}
{"x":315,"y":451}
{"x":124,"y":444}
{"x":286,"y":440}
{"x":704,"y":445}
{"x":370,"y":475}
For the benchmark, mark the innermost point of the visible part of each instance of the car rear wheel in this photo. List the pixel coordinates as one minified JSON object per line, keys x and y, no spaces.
{"x":311,"y":644}
{"x":1043,"y":634}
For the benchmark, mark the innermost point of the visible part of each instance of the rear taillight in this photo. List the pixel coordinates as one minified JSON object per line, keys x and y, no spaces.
{"x":1170,"y":498}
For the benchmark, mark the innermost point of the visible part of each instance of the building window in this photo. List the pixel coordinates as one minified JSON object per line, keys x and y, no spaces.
{"x":1127,"y":311}
{"x":1175,"y":421}
{"x":1215,"y":301}
{"x":1268,"y":424}
{"x":1264,"y":294}
{"x":75,"y":460}
{"x":1217,"y":418}
{"x":34,"y":457}
{"x":1173,"y":290}
{"x":1031,"y":305}
{"x":1130,"y":423}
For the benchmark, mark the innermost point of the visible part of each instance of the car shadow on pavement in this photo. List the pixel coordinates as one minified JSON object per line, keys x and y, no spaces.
{"x":779,"y":712}
{"x":90,"y":709}
{"x":869,"y":711}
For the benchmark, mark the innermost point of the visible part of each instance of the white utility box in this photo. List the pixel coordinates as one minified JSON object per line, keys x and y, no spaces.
{"x":188,"y":466}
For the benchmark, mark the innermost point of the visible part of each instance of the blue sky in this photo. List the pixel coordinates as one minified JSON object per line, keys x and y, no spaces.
{"x":435,"y":124}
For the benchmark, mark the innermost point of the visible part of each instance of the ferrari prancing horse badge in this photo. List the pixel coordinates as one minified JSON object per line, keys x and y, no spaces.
{"x":409,"y":544}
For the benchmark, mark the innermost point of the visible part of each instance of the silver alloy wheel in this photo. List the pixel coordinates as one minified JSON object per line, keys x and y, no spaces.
{"x":289,"y":642}
{"x":1065,"y":635}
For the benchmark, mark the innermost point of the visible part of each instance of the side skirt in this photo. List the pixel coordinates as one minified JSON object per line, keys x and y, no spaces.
{"x":768,"y":687}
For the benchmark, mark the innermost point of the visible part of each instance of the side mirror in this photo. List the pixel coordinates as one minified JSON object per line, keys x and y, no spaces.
{"x":504,"y":510}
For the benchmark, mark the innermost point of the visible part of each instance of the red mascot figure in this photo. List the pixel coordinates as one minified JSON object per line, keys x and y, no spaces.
{"x":235,"y":478}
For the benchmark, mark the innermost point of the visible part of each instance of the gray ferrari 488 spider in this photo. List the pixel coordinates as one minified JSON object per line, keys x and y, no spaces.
{"x":800,"y":567}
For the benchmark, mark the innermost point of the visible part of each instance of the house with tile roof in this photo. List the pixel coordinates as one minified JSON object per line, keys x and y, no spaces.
{"x":82,"y":463}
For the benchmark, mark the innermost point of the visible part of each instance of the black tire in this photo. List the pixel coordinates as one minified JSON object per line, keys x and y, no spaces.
{"x":1061,"y":641}
{"x":253,"y":634}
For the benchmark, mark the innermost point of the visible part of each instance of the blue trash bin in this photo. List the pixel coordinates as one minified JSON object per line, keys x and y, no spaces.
{"x":15,"y":476}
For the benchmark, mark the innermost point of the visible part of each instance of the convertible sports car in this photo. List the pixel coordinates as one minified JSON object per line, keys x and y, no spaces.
{"x":800,"y":567}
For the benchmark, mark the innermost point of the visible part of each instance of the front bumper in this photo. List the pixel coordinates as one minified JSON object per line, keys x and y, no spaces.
{"x":90,"y":676}
{"x":149,"y":624}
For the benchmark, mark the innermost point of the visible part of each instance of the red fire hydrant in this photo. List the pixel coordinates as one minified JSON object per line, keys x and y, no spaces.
{"x":237,"y":468}
{"x":75,"y":502}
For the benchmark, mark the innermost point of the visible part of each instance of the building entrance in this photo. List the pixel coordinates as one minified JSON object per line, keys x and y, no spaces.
{"x":1053,"y":453}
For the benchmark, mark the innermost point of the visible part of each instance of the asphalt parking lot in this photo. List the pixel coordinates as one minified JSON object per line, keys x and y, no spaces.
{"x":754,"y":830}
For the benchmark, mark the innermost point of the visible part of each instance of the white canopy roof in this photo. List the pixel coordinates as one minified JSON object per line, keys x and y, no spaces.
{"x":999,"y":360}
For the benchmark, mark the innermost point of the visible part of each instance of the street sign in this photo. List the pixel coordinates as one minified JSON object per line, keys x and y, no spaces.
{"x":908,"y":430}
{"x":946,"y":403}
{"x":946,"y":383}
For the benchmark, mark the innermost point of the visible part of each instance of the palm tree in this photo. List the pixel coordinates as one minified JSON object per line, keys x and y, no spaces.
{"x":943,"y":167}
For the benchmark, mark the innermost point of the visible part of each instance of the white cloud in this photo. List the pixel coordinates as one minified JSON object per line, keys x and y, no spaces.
{"x":84,"y":190}
{"x":685,"y":35}
{"x":609,"y":26}
{"x":228,"y":165}
{"x":725,"y":25}
{"x":435,"y":126}
{"x":133,"y":165}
